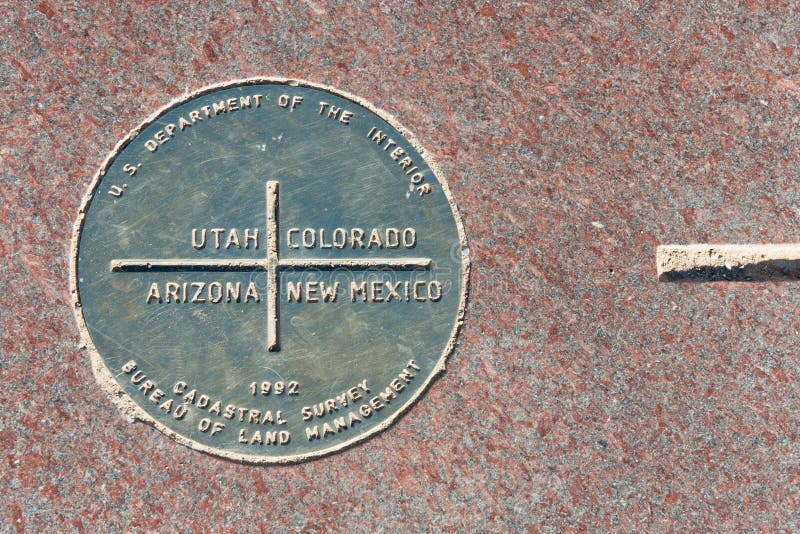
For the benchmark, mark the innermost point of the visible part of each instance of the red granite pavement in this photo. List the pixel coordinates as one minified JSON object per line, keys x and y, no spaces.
{"x":575,"y":137}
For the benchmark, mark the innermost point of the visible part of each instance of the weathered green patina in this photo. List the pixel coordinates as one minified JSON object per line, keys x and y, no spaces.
{"x":268,"y":270}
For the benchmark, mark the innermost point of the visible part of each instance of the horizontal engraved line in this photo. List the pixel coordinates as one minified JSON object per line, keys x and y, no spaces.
{"x":139,"y":265}
{"x":143,"y":265}
{"x":366,"y":263}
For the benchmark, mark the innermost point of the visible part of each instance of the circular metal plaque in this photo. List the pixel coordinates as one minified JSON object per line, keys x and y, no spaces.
{"x":268,"y":270}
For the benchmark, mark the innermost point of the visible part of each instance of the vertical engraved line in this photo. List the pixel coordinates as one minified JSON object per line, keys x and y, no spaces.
{"x":273,"y":291}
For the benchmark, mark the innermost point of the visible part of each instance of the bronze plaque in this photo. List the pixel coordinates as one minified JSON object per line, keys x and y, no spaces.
{"x":268,"y":270}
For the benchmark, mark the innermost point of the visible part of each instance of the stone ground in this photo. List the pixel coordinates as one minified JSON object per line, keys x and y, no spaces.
{"x":576,"y":137}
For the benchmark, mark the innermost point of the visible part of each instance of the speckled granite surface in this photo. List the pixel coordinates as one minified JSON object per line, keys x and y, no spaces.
{"x":584,"y":394}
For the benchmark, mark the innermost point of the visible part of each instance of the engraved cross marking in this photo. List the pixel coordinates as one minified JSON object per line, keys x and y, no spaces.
{"x":273,"y":264}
